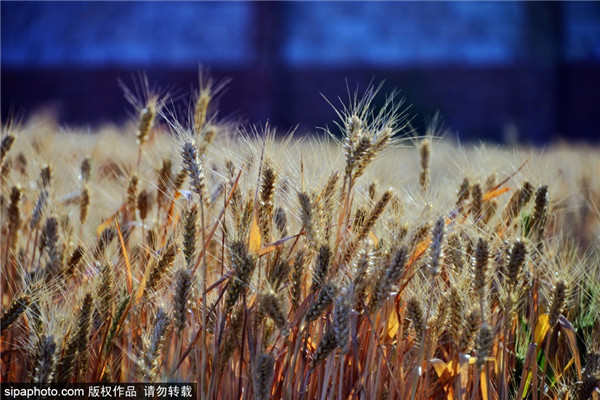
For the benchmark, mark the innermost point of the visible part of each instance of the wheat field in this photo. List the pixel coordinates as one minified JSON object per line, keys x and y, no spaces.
{"x":367,"y":261}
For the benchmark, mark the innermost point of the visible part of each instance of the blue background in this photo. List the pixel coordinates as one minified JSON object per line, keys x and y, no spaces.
{"x":488,"y":67}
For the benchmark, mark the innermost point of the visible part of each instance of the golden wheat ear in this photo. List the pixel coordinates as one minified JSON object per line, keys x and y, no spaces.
{"x":160,"y":267}
{"x":45,"y":359}
{"x":164,"y":177}
{"x":5,"y":146}
{"x":149,"y":367}
{"x":204,"y":101}
{"x":190,"y":234}
{"x":15,"y":310}
{"x":297,"y":278}
{"x":272,"y":305}
{"x":327,"y":344}
{"x":266,"y":195}
{"x":557,"y":302}
{"x":147,"y":102}
{"x":341,"y":320}
{"x":389,"y":277}
{"x":263,"y":376}
{"x":14,"y":215}
{"x":181,"y":297}
{"x":193,"y":164}
{"x":484,"y":343}
{"x":321,"y":267}
{"x":323,"y":300}
{"x":469,"y":331}
{"x":243,"y":265}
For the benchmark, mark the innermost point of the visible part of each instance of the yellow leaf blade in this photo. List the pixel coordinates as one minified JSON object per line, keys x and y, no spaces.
{"x":419,"y":250}
{"x":541,"y":328}
{"x":439,"y":366}
{"x":255,"y":239}
{"x":393,"y":324}
{"x":373,"y":238}
{"x":484,"y":386}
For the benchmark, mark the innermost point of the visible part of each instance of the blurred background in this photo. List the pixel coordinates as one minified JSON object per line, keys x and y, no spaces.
{"x":496,"y":71}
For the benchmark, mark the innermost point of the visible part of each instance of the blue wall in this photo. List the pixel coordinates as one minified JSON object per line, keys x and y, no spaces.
{"x":403,"y":33}
{"x":92,"y":33}
{"x":314,"y":33}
